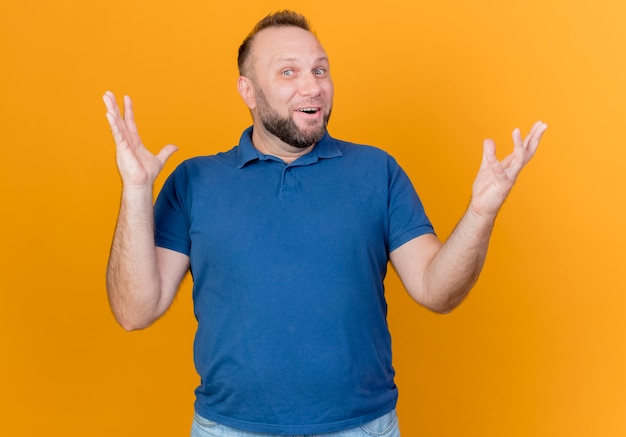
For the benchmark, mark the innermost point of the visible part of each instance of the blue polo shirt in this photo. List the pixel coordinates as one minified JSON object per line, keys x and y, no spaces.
{"x":288,"y":263}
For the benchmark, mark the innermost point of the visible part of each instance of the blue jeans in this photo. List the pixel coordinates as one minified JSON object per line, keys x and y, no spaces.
{"x":385,"y":426}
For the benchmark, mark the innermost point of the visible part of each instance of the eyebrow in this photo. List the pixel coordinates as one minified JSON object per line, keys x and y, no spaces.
{"x":320,"y":59}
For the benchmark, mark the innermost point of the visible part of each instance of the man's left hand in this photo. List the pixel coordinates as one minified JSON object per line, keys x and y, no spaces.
{"x":495,"y":178}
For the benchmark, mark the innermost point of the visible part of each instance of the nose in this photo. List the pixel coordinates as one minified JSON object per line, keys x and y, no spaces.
{"x":309,"y":85}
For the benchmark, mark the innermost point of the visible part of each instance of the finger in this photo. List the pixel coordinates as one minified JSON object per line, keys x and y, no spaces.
{"x":111,"y":104}
{"x":535,"y":137}
{"x":517,"y":138}
{"x":118,"y":136}
{"x":530,"y":134}
{"x":490,"y":159}
{"x":113,"y":115}
{"x":109,"y":99}
{"x":489,"y":152}
{"x":129,"y":115}
{"x":538,"y":127}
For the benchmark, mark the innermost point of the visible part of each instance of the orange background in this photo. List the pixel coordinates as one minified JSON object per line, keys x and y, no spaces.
{"x":539,"y":347}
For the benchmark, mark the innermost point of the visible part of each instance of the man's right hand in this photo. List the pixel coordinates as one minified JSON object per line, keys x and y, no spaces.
{"x":142,"y":279}
{"x":138,"y":167}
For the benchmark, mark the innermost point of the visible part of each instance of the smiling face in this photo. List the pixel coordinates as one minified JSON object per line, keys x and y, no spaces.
{"x":288,"y":88}
{"x":312,"y":119}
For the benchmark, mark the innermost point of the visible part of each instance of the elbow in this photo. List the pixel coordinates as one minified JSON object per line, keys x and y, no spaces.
{"x":443,"y":304}
{"x":130,"y":314}
{"x":443,"y":309}
{"x":438,"y":307}
{"x":131,"y":318}
{"x":132,"y":324}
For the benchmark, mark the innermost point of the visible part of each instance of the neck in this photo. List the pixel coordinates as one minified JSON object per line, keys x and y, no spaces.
{"x":269,"y":144}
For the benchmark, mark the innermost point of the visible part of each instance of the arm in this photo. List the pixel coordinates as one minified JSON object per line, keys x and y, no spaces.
{"x":439,"y":276}
{"x":141,"y":279}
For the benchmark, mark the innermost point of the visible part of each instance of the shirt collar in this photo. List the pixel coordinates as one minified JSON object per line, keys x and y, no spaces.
{"x":325,"y":148}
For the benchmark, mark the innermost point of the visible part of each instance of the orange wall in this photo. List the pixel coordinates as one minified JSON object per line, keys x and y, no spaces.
{"x":538,"y":349}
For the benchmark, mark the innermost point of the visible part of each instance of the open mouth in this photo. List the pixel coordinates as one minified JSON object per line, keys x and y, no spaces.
{"x":309,"y":110}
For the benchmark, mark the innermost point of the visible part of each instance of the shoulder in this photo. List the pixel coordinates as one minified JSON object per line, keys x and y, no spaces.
{"x":202,"y":169}
{"x":362,"y":151}
{"x":212,"y":162}
{"x":367,"y":156}
{"x":358,"y":148}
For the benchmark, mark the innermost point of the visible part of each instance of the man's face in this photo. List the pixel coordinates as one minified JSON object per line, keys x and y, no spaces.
{"x":285,"y":127}
{"x":293,"y":87}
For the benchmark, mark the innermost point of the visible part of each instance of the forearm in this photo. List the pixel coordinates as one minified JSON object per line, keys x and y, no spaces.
{"x":440,"y":276}
{"x":455,"y":268}
{"x":133,"y":279}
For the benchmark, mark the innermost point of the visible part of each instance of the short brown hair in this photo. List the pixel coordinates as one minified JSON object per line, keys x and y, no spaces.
{"x":275,"y":19}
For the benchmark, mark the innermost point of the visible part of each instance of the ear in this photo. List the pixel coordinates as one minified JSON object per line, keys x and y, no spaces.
{"x":246,"y":90}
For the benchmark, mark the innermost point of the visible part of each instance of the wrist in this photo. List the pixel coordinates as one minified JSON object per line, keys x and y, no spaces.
{"x":480,"y":214}
{"x":131,"y":191}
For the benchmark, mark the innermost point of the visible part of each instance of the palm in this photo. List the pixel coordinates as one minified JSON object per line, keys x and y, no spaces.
{"x":137,"y":165}
{"x":495,"y":178}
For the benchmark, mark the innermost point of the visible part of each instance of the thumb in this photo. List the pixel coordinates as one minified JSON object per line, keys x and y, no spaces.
{"x":165,"y":153}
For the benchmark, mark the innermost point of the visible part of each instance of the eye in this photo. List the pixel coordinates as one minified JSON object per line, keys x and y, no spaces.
{"x":319,"y":72}
{"x":287,"y":73}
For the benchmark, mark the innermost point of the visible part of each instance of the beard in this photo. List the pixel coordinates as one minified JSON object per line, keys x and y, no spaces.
{"x":285,"y":128}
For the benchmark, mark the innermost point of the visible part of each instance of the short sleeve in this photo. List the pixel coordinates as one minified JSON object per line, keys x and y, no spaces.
{"x":407,"y":218}
{"x":171,"y":216}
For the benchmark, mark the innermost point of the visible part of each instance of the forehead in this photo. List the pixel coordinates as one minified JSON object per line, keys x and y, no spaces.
{"x":286,"y":42}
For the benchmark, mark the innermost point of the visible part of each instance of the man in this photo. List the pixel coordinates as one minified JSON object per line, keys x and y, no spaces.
{"x":288,"y":237}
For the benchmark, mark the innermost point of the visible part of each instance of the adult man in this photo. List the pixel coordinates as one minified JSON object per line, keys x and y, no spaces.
{"x":288,"y":237}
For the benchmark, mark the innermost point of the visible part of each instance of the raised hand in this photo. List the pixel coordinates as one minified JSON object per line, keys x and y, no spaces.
{"x":495,"y":178}
{"x":136,"y":164}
